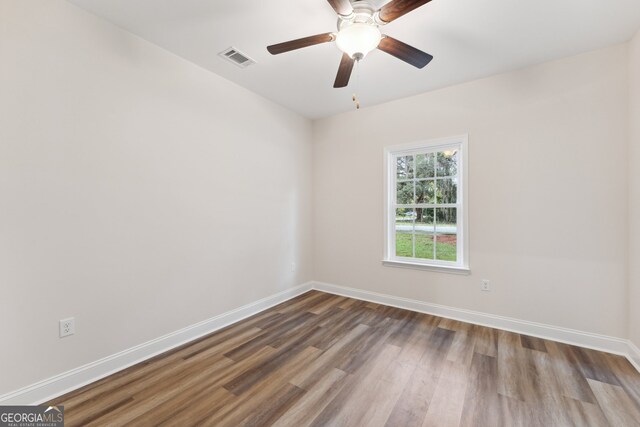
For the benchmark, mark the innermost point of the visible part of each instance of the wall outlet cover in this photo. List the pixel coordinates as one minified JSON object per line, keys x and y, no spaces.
{"x":67,"y":327}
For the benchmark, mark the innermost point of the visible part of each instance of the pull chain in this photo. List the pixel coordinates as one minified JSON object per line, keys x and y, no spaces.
{"x":354,"y":98}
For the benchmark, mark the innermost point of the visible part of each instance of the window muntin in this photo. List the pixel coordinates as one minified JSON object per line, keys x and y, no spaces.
{"x":425,"y":211}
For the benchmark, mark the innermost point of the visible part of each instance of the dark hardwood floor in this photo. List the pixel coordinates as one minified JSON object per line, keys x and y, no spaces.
{"x":326,"y":360}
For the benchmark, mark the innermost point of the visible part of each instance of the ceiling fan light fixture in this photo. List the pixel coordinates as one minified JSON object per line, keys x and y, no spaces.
{"x":358,"y":34}
{"x":358,"y":39}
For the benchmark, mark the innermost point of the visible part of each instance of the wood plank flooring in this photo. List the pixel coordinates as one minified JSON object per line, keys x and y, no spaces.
{"x":326,"y":360}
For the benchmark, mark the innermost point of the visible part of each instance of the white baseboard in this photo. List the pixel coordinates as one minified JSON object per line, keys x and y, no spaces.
{"x":68,"y":381}
{"x":634,"y":355}
{"x":570,"y":336}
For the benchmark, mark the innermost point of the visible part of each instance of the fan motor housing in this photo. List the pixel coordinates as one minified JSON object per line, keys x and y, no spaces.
{"x":363,"y":13}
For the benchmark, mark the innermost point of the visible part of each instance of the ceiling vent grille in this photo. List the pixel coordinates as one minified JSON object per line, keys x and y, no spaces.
{"x":234,"y":56}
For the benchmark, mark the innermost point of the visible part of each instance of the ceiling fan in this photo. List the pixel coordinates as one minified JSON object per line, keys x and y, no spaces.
{"x":359,"y":33}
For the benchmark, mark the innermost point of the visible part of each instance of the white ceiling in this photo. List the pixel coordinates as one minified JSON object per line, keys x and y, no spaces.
{"x":468,"y":38}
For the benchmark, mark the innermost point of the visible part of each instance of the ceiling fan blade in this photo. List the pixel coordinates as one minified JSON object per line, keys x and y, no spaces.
{"x":344,"y":71}
{"x":396,"y":8}
{"x":342,"y":7}
{"x":276,"y":49}
{"x":403,"y":51}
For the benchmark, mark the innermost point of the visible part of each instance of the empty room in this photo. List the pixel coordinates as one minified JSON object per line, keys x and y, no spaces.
{"x":319,"y":213}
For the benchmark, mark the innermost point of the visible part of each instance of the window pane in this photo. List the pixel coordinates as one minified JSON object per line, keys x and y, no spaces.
{"x":446,"y":247}
{"x":425,"y":165}
{"x":424,"y":227}
{"x":404,"y":167}
{"x":405,"y":217}
{"x":446,"y":220}
{"x":446,"y":234}
{"x":447,"y":163}
{"x":404,"y":244}
{"x":425,"y":191}
{"x":424,"y":245}
{"x":404,"y":231}
{"x":447,"y":190}
{"x":424,"y":219}
{"x":404,"y":193}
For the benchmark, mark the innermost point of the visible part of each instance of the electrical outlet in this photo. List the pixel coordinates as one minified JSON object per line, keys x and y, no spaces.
{"x":293,"y":267}
{"x":67,"y":327}
{"x":485,"y":286}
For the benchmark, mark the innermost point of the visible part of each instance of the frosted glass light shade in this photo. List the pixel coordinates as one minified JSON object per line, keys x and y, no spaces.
{"x":358,"y":39}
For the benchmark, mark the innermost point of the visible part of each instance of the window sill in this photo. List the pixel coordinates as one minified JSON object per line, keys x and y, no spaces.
{"x":418,"y":266}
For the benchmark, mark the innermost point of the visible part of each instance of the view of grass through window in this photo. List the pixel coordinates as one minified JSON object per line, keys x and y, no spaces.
{"x":426,"y":205}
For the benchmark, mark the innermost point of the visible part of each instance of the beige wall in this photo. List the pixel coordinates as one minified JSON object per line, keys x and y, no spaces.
{"x":634,"y":190}
{"x":547,"y":193}
{"x":138,"y":192}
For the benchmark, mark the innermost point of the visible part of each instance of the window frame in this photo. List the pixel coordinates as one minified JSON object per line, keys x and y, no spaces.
{"x":461,"y":265}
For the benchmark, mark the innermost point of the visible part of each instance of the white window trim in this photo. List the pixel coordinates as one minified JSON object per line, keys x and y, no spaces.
{"x":389,"y":258}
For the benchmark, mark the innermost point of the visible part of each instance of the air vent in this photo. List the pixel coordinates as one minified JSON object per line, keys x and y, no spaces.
{"x":234,"y":56}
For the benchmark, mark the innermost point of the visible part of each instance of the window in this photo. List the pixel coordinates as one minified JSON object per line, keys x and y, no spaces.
{"x":425,"y":205}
